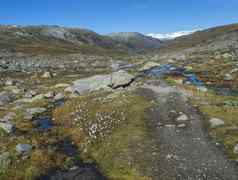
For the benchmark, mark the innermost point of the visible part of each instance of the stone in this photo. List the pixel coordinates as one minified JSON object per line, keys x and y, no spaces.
{"x":9,"y":82}
{"x":6,"y":98}
{"x":69,"y":89}
{"x":234,"y":70}
{"x":59,"y":97}
{"x":62,"y":85}
{"x":202,"y":89}
{"x":121,"y":79}
{"x":13,"y":89}
{"x":34,"y":111}
{"x":30,"y":94}
{"x":235,"y":150}
{"x":31,"y":100}
{"x":227,"y":56}
{"x":24,"y":149}
{"x":228,"y":77}
{"x":215,"y":122}
{"x":149,"y":65}
{"x":182,"y":117}
{"x":50,"y":94}
{"x":181,"y":125}
{"x":93,"y":83}
{"x":8,"y":127}
{"x":47,"y":75}
{"x":115,"y":80}
{"x":8,"y":117}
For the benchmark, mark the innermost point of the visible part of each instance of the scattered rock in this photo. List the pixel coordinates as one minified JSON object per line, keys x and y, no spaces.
{"x":47,"y":75}
{"x":62,"y":85}
{"x":202,"y":89}
{"x":182,"y":125}
{"x":14,"y":89}
{"x":6,"y":97}
{"x":182,"y":117}
{"x":9,"y":82}
{"x":215,"y":122}
{"x":121,"y":79}
{"x":59,"y":97}
{"x":8,"y":117}
{"x":114,"y":80}
{"x":8,"y":127}
{"x":30,"y":94}
{"x":91,"y":84}
{"x":228,"y":77}
{"x":235,"y":149}
{"x":35,"y":111}
{"x":24,"y":149}
{"x":149,"y":65}
{"x":50,"y":94}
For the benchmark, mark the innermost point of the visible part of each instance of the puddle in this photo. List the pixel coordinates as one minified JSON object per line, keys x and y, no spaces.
{"x":67,"y":147}
{"x":59,"y":103}
{"x":43,"y":124}
{"x":79,"y":170}
{"x":166,"y":69}
{"x":192,"y":79}
{"x":160,"y":70}
{"x":86,"y":172}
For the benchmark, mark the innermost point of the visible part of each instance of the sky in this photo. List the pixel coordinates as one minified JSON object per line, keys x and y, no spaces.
{"x":106,"y":16}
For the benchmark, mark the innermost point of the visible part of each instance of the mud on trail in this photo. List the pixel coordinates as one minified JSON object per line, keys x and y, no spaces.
{"x":183,"y":150}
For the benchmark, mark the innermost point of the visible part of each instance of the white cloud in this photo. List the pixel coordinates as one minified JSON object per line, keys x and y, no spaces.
{"x":172,"y":35}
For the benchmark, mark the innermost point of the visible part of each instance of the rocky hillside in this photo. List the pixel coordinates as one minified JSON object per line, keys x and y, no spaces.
{"x":136,"y":40}
{"x":223,"y":37}
{"x":55,"y":40}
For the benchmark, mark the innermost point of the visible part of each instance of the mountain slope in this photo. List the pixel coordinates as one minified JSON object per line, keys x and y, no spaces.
{"x":136,"y":40}
{"x":55,"y":39}
{"x":210,"y":39}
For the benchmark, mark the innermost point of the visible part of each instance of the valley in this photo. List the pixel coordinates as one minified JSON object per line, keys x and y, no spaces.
{"x":78,"y":105}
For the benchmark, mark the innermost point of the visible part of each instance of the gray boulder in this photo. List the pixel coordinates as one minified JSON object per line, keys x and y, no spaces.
{"x":47,"y":75}
{"x":24,"y":149}
{"x":235,"y":150}
{"x":8,"y":127}
{"x":30,"y":94}
{"x":149,"y":65}
{"x":97,"y":82}
{"x":6,"y":97}
{"x":59,"y":97}
{"x":182,"y":117}
{"x":215,"y":122}
{"x":35,"y":111}
{"x":121,"y":79}
{"x":228,"y":77}
{"x":91,"y":84}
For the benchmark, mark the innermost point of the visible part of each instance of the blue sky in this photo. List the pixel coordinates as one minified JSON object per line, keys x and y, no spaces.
{"x":105,"y":16}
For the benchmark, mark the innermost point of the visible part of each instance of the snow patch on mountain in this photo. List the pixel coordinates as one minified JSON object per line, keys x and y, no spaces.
{"x":172,"y":35}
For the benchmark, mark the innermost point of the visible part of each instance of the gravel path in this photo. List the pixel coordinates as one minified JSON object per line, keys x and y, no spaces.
{"x":184,"y":150}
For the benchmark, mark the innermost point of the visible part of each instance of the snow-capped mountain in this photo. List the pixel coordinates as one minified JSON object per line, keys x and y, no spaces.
{"x":169,"y":36}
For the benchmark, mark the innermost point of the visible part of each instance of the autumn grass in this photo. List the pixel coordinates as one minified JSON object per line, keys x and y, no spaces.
{"x":214,"y":106}
{"x":120,"y":126}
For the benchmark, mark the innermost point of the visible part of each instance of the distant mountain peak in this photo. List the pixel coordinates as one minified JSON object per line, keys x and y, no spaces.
{"x":136,"y":40}
{"x":169,"y":36}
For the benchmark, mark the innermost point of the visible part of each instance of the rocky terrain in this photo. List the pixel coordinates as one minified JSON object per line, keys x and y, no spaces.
{"x":169,"y":113}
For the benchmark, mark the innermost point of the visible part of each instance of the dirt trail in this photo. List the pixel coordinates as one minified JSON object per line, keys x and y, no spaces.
{"x":185,"y":152}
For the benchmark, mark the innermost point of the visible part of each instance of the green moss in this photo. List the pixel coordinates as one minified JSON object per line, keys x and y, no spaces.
{"x":121,"y":126}
{"x":216,"y":108}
